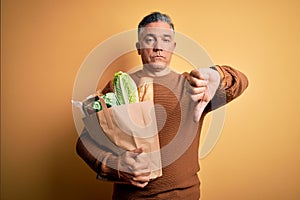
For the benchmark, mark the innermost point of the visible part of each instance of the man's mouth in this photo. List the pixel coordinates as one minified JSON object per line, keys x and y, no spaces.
{"x":158,"y":57}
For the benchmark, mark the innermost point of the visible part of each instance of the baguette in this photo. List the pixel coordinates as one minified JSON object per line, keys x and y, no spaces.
{"x":145,"y":89}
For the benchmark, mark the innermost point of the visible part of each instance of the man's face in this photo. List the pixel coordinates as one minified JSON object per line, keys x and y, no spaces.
{"x":156,"y":45}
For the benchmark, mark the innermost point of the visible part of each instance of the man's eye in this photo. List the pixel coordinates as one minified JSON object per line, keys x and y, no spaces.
{"x":149,"y":40}
{"x":167,"y":40}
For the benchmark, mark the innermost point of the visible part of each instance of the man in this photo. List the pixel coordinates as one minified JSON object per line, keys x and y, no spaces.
{"x":184,"y":100}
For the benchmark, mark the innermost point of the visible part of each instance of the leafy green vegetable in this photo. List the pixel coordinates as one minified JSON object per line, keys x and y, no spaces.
{"x":110,"y":99}
{"x":125,"y":88}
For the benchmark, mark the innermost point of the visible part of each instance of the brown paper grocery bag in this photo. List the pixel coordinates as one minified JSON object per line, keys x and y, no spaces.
{"x":94,"y":129}
{"x":128,"y":127}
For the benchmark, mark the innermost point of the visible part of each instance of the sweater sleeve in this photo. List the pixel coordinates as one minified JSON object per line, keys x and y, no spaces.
{"x":97,"y":157}
{"x":232,"y":84}
{"x":90,"y":152}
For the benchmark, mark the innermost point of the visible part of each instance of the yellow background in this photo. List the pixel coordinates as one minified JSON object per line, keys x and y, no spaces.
{"x":44,"y":43}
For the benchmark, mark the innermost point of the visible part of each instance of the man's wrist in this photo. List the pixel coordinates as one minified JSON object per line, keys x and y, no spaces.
{"x":109,"y":166}
{"x":217,"y":68}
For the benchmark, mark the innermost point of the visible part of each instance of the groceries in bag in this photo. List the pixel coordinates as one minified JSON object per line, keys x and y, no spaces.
{"x":120,"y":122}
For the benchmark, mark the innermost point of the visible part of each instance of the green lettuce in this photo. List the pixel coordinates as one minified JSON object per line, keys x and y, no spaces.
{"x":110,"y":99}
{"x":125,"y":88}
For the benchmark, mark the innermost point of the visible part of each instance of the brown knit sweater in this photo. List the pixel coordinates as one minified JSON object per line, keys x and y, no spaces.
{"x":179,"y":137}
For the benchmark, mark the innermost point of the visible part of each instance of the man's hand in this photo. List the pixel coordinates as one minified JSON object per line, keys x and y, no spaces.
{"x":134,"y":167}
{"x":202,"y":86}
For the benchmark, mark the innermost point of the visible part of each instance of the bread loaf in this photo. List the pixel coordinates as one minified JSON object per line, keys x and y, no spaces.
{"x":145,"y":89}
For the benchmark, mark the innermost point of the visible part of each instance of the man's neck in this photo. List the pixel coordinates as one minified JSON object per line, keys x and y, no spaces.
{"x":155,"y":72}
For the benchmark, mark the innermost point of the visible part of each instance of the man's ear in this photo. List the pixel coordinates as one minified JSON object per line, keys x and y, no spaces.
{"x":174,"y":46}
{"x":138,"y":47}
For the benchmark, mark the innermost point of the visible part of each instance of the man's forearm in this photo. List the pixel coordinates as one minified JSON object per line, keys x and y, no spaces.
{"x":98,"y":159}
{"x":232,"y":84}
{"x":233,"y":81}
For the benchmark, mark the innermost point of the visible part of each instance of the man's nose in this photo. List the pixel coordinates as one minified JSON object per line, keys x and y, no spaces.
{"x":158,"y":46}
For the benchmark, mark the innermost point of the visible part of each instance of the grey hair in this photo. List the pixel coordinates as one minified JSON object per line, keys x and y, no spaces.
{"x":155,"y":17}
